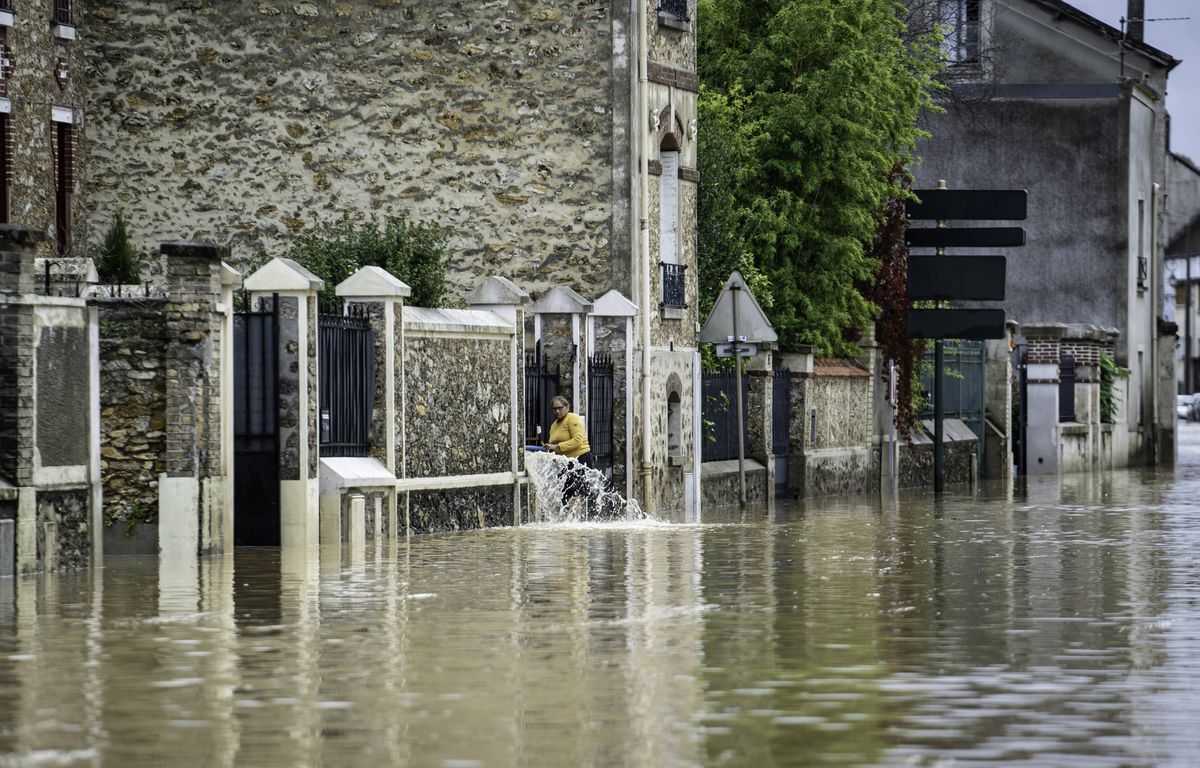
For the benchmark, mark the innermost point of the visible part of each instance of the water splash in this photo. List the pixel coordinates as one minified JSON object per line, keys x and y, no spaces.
{"x":566,"y":491}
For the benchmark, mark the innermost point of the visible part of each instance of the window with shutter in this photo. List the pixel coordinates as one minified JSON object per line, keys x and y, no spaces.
{"x":668,"y":214}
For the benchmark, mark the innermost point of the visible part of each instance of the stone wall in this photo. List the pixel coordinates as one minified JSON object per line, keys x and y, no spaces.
{"x":458,"y":406}
{"x":495,"y":119}
{"x":460,"y":510}
{"x":133,"y":406}
{"x":63,"y":531}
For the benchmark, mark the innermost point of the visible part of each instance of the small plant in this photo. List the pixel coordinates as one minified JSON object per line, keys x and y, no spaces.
{"x":117,"y":262}
{"x":1109,"y":399}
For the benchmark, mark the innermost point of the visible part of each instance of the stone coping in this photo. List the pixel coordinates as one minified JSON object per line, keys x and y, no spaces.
{"x":728,"y":467}
{"x":476,"y":321}
{"x":953,"y":431}
{"x":21,"y":235}
{"x":354,"y":472}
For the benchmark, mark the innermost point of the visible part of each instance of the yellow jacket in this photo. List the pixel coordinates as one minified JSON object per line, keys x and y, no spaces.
{"x":569,"y":434}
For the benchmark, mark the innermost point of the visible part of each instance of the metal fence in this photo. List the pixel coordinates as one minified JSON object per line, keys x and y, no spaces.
{"x":1066,"y":387}
{"x":781,"y":419}
{"x":346,"y":351}
{"x":674,"y":285}
{"x":719,"y":411}
{"x":963,"y":383}
{"x":600,"y":410}
{"x":541,"y":384}
{"x":256,"y":425}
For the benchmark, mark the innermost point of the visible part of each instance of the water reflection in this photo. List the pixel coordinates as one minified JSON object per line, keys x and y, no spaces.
{"x":1053,"y":625}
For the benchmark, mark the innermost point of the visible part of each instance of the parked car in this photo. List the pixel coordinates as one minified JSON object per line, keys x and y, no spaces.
{"x":1194,"y":408}
{"x":1183,"y":407}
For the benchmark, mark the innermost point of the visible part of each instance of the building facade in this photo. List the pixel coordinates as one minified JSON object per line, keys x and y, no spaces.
{"x":1046,"y":98}
{"x":556,"y":140}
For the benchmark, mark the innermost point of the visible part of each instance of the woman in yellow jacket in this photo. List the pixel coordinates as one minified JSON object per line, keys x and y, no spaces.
{"x":568,"y":437}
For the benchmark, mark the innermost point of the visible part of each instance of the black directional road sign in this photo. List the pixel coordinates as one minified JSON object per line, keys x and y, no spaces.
{"x":973,"y":204}
{"x":964,"y":237}
{"x":968,"y":278}
{"x":956,"y":323}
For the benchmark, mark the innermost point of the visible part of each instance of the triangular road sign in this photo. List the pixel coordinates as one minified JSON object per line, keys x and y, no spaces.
{"x":752,"y":324}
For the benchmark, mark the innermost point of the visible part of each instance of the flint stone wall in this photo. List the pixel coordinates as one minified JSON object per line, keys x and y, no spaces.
{"x":67,"y":513}
{"x":133,"y":402}
{"x":496,"y":118}
{"x":460,"y":510}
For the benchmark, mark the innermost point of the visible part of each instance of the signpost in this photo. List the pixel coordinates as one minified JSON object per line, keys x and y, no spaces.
{"x":737,"y":325}
{"x":964,"y":278}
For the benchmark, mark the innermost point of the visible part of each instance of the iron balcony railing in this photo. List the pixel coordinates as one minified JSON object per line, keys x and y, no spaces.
{"x":676,"y":8}
{"x":62,"y":12}
{"x":1143,"y":267}
{"x":673,"y":293}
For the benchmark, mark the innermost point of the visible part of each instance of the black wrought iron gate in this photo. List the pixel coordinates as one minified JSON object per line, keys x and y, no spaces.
{"x":600,"y":411}
{"x":256,"y":426}
{"x":781,"y":419}
{"x":346,"y":351}
{"x":541,"y":384}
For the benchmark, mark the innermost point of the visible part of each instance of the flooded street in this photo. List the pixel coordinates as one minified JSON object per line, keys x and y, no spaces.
{"x":1056,"y":627}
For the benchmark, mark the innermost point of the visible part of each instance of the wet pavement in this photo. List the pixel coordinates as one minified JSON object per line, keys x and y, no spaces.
{"x":1055,"y":626}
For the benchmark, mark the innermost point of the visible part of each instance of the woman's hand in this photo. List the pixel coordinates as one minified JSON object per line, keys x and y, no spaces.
{"x":552,"y":447}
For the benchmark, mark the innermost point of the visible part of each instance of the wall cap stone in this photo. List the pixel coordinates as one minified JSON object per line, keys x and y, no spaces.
{"x":373,"y":283}
{"x":614,"y":304}
{"x":194,"y":249}
{"x":230,"y":276}
{"x":462,"y":321}
{"x":280,"y":274}
{"x":1043,"y":330}
{"x":497,"y":290}
{"x":20,"y":235}
{"x":561,"y":300}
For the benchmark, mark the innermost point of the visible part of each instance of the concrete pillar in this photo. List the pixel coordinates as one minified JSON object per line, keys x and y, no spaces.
{"x":221,"y":533}
{"x":1041,"y":408}
{"x":382,"y":295}
{"x":758,"y":418}
{"x":800,"y":363}
{"x":192,"y":517}
{"x":998,"y":397}
{"x":502,"y":296}
{"x":296,"y":290}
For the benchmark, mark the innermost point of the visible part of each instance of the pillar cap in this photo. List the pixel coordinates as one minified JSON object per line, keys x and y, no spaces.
{"x":194,"y":249}
{"x":281,"y":274}
{"x":497,"y":290}
{"x":614,"y":304}
{"x":21,"y":235}
{"x":561,"y":300}
{"x":373,"y":283}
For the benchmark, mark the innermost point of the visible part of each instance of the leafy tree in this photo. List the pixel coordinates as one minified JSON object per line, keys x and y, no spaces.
{"x":832,"y":92}
{"x":117,"y":263}
{"x":413,"y":251}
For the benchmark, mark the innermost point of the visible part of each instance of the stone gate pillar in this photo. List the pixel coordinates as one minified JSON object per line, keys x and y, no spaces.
{"x":1041,"y":406}
{"x":296,"y":290}
{"x":558,"y":326}
{"x":501,"y":296}
{"x":800,"y":364}
{"x":382,"y":295}
{"x":192,"y":515}
{"x":759,"y":412}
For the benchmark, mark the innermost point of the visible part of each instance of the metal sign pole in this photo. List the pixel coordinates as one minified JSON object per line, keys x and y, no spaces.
{"x":737,"y":387}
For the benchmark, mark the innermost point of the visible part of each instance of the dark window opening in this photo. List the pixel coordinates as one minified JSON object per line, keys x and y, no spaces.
{"x":62,"y":12}
{"x":959,"y":20}
{"x":63,"y":181}
{"x":677,"y":8}
{"x":1066,"y":387}
{"x":674,"y":292}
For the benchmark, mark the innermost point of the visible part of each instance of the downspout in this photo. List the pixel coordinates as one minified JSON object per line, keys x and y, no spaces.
{"x":1154,"y":266}
{"x":641,"y":126}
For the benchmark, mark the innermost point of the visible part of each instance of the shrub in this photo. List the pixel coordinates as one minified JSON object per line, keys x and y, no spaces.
{"x":413,"y":251}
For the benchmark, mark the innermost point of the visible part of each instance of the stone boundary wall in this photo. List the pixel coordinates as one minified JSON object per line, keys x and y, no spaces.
{"x":458,"y":370}
{"x":133,"y":405}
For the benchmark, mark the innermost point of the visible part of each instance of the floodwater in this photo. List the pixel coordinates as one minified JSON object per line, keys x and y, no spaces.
{"x":1056,"y":627}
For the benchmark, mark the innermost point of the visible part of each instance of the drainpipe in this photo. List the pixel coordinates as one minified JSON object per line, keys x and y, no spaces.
{"x":642,"y":125}
{"x":1154,"y":265}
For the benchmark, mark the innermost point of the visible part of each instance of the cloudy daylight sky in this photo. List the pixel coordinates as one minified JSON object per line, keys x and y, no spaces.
{"x":1181,"y":39}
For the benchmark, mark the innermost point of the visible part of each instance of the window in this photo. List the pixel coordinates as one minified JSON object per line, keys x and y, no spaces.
{"x":668,"y":210}
{"x":5,"y":168}
{"x":64,"y":182}
{"x":62,"y":12}
{"x":959,"y":20}
{"x":674,"y":427}
{"x":1143,"y":268}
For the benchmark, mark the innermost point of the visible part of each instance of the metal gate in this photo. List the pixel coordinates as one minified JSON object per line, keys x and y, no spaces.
{"x":256,"y":426}
{"x":1020,"y":413}
{"x":541,"y":384}
{"x":963,"y":383}
{"x":346,"y":350}
{"x":600,"y":411}
{"x":781,"y":419}
{"x":719,"y":412}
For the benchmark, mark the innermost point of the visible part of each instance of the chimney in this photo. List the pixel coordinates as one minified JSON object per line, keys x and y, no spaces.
{"x":1136,"y":20}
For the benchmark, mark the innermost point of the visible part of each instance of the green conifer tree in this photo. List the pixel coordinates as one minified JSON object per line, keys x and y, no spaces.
{"x":117,"y":262}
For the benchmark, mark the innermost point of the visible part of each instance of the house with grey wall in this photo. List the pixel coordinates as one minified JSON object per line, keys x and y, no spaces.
{"x":1043,"y":97}
{"x":1181,"y":275}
